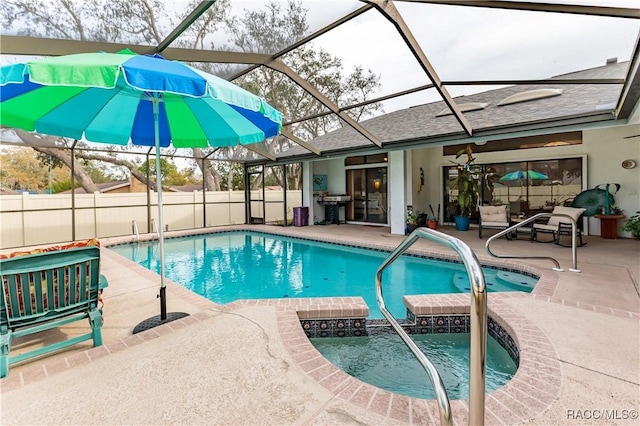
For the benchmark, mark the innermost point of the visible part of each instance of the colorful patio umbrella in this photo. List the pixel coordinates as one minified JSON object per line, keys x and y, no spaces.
{"x":519,"y":176}
{"x":522,"y":175}
{"x":121,"y":98}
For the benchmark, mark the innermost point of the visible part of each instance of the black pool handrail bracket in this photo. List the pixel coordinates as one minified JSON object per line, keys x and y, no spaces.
{"x":514,"y":228}
{"x":478,"y":348}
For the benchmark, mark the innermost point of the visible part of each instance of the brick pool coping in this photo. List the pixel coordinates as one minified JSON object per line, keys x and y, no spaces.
{"x":531,"y":391}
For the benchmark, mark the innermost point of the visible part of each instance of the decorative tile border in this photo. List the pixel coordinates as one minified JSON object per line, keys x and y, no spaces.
{"x":421,"y":325}
{"x":438,"y":324}
{"x":344,"y":327}
{"x":505,"y":339}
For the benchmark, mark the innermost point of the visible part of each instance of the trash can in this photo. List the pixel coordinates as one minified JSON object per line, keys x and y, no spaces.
{"x":300,"y":216}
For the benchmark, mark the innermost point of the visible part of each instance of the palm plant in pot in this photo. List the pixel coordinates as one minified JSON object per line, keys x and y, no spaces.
{"x":467,"y":184}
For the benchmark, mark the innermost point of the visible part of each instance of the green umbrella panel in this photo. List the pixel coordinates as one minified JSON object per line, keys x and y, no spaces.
{"x":593,"y":200}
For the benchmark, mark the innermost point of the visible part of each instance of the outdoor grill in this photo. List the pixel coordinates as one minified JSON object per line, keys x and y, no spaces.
{"x":332,"y":204}
{"x":327,"y":199}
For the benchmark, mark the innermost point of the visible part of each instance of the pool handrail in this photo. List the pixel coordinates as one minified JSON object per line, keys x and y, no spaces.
{"x":154,"y":225}
{"x":478,"y":348}
{"x":134,"y":225}
{"x":514,"y":228}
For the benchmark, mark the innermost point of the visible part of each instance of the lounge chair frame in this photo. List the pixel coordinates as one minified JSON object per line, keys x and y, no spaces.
{"x":45,"y":290}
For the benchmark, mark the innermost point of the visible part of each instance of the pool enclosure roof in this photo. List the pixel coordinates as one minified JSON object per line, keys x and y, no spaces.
{"x":363,"y":76}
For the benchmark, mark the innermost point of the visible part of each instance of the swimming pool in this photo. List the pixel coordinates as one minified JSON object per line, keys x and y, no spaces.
{"x":229,"y":266}
{"x":383,"y":360}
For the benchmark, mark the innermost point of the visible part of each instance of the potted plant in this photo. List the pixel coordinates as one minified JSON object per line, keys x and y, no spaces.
{"x":432,"y":219}
{"x":633,"y":225}
{"x":412,"y":222}
{"x":467,"y":184}
{"x":432,"y":223}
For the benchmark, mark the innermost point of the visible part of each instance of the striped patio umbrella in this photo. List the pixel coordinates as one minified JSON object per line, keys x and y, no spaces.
{"x":520,"y":175}
{"x":125,"y":98}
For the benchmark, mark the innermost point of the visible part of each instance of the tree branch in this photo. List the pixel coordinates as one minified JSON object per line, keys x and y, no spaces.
{"x":133,"y":168}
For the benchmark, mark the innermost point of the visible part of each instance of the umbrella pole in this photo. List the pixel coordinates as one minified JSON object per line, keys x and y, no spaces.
{"x":163,"y":289}
{"x":163,"y":317}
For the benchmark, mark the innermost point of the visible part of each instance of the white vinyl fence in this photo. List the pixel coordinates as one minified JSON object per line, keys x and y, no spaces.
{"x":28,"y":219}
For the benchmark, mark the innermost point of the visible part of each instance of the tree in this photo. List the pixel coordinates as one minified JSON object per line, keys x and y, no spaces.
{"x":234,"y":173}
{"x":169,"y":172}
{"x":271,"y":30}
{"x":146,"y":22}
{"x":267,"y":31}
{"x":51,"y":145}
{"x":22,"y":171}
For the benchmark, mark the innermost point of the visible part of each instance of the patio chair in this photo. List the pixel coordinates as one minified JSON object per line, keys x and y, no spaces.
{"x":493,"y":217}
{"x":518,"y":208}
{"x":47,"y":288}
{"x":559,"y":226}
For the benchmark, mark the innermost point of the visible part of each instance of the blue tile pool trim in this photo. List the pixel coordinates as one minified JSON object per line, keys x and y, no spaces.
{"x":418,"y":256}
{"x":361,"y":246}
{"x":431,"y":324}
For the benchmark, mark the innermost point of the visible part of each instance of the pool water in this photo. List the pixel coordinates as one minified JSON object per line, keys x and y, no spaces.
{"x":229,"y":266}
{"x":386,"y":362}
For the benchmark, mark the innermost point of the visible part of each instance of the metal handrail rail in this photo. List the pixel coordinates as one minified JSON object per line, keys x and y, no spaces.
{"x":154,"y":225}
{"x":134,"y":225}
{"x":478,"y":331}
{"x":574,"y":245}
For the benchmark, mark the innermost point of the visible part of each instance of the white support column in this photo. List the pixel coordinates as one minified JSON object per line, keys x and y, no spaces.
{"x":398,"y":189}
{"x":409,"y":181}
{"x":307,"y":188}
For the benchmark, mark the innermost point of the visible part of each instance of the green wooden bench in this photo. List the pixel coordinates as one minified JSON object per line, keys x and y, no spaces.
{"x":45,"y":290}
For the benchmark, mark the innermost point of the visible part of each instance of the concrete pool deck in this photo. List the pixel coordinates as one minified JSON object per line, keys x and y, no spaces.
{"x":244,"y":363}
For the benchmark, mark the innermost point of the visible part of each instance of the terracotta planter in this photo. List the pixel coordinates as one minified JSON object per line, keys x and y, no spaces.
{"x":432,"y":224}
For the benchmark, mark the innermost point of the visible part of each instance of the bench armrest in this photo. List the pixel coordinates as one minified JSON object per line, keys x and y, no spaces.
{"x":103,"y":282}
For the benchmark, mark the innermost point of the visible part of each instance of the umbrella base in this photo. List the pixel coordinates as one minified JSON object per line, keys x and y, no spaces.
{"x":157,"y":320}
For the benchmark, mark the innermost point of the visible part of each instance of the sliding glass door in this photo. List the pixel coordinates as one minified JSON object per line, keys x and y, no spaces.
{"x":368,"y":191}
{"x":527,"y":187}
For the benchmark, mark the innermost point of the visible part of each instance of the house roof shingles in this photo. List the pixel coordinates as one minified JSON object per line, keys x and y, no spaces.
{"x":419,"y":123}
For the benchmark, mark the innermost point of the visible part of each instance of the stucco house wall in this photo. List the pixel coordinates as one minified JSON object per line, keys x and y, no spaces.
{"x":604,"y":151}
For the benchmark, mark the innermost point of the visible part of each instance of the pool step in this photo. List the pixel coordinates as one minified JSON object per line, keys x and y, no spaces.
{"x":503,"y":281}
{"x":513,"y":281}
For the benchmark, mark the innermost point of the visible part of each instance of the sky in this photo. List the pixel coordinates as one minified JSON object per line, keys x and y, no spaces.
{"x":469,"y":43}
{"x":463,"y":43}
{"x":466,"y":43}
